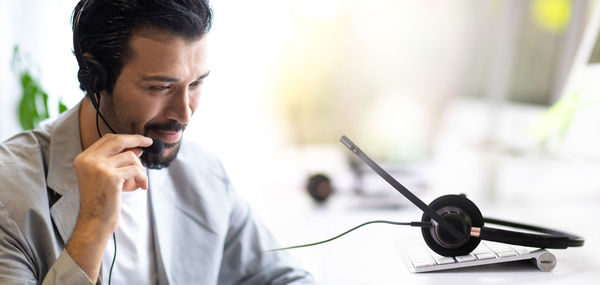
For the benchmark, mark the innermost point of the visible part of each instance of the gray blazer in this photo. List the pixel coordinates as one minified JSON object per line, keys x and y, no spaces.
{"x":204,"y":232}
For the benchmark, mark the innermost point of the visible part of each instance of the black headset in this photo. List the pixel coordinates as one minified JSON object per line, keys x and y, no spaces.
{"x":452,"y":225}
{"x":92,"y":75}
{"x":93,"y":78}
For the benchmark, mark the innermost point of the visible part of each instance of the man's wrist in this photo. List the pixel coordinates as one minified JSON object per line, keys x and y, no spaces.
{"x":87,"y":245}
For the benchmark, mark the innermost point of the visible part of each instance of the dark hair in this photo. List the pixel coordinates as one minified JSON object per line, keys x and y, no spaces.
{"x":106,"y":26}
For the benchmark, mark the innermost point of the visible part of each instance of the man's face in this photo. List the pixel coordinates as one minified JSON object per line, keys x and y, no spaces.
{"x":158,"y":90}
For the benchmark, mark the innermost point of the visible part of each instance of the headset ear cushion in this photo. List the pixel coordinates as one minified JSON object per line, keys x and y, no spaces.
{"x":92,"y":77}
{"x":468,"y":209}
{"x":84,"y":76}
{"x":98,"y":75}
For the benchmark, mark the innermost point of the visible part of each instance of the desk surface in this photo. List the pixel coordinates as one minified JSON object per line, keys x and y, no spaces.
{"x":372,"y":254}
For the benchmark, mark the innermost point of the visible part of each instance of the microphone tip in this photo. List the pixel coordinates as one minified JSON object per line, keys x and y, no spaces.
{"x":156,"y":148}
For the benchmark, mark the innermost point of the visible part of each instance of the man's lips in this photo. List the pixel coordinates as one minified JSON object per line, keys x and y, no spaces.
{"x":166,"y":136}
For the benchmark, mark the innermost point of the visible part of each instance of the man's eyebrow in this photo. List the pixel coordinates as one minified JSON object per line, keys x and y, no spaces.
{"x":203,"y":76}
{"x":164,"y":78}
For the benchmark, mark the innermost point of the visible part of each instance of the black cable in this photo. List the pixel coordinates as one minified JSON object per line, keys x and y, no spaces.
{"x":100,"y":136}
{"x":412,"y":224}
{"x":114,"y":258}
{"x":96,"y":103}
{"x":97,"y":107}
{"x":97,"y":125}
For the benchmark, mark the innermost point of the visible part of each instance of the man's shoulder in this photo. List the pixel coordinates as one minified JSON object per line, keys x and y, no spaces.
{"x":22,"y":171}
{"x":28,"y":149}
{"x":25,"y":142}
{"x":23,"y":148}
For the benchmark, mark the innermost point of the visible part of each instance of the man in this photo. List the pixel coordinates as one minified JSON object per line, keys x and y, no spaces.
{"x":77,"y":194}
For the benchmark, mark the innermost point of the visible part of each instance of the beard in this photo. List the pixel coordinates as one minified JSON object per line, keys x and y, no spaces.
{"x":162,"y":160}
{"x":170,"y":150}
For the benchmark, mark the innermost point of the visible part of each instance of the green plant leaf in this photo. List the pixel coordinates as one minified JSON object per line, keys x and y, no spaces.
{"x":27,"y":110}
{"x":61,"y":106}
{"x":25,"y":116}
{"x":33,"y":106}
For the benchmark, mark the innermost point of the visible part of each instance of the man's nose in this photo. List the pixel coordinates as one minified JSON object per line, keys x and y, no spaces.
{"x":179,"y":107}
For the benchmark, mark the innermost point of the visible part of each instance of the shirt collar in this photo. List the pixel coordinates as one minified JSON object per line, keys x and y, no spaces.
{"x":65,"y":145}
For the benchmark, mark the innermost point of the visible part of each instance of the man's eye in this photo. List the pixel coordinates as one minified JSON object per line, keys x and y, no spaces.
{"x":195,"y":83}
{"x":159,"y":87}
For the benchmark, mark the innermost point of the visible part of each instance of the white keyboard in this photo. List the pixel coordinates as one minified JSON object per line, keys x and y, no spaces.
{"x":419,"y":258}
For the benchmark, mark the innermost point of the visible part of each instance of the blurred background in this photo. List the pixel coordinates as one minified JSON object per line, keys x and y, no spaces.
{"x":465,"y":96}
{"x":451,"y":94}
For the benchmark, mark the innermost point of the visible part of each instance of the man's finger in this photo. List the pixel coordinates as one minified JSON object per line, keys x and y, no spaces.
{"x":134,"y":178}
{"x":111,"y":144}
{"x":123,"y":159}
{"x":136,"y":150}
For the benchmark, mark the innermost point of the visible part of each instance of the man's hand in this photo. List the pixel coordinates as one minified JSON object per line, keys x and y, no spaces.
{"x":105,"y":169}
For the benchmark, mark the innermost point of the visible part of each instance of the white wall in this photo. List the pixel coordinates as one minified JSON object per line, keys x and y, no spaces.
{"x":7,"y":80}
{"x":43,"y":32}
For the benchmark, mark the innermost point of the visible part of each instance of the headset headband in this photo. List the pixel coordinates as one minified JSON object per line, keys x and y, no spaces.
{"x":76,"y":44}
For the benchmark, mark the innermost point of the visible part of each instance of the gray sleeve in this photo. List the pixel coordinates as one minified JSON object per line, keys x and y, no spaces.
{"x":17,"y":264}
{"x":244,"y":260}
{"x":66,"y":271}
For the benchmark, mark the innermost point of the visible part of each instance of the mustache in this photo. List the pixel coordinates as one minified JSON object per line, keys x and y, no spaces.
{"x":171,"y":125}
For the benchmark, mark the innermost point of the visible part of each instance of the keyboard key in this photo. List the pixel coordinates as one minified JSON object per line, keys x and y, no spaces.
{"x":445,"y":260}
{"x":480,"y":249}
{"x":424,"y":263}
{"x":464,"y":258}
{"x":485,"y":255}
{"x":494,"y":246}
{"x":522,"y":250}
{"x":506,"y":253}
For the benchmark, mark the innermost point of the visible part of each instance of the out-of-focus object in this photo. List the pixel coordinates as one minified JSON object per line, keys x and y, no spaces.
{"x":574,"y":117}
{"x":552,"y":15}
{"x":319,"y":187}
{"x":33,"y":107}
